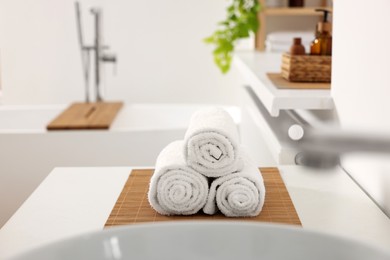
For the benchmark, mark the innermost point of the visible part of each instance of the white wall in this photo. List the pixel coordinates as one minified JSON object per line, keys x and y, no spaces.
{"x":161,"y":56}
{"x":361,"y":84}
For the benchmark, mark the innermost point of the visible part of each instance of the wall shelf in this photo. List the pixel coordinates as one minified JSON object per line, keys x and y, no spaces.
{"x":294,"y":11}
{"x":263,"y":135}
{"x":254,"y":65}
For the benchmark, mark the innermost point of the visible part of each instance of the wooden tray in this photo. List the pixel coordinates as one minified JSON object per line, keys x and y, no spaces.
{"x":86,"y":116}
{"x":282,"y":83}
{"x":133,"y":207}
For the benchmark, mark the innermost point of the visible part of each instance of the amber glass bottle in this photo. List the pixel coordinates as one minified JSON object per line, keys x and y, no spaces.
{"x":322,"y":44}
{"x":297,"y":48}
{"x":296,"y":3}
{"x":326,"y":44}
{"x":315,"y":46}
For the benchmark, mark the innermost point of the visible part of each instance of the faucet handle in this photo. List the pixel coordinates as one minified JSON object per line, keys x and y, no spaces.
{"x":109,"y":57}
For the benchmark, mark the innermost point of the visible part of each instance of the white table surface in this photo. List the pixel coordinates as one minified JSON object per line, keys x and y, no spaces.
{"x":71,"y":201}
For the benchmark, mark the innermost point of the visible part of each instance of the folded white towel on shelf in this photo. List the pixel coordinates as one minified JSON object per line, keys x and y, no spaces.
{"x":281,"y":41}
{"x":287,"y":36}
{"x":211,"y":143}
{"x":239,"y":194}
{"x":283,"y":47}
{"x":176,"y":189}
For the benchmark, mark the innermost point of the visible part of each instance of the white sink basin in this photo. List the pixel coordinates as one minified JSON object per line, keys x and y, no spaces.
{"x":207,"y":240}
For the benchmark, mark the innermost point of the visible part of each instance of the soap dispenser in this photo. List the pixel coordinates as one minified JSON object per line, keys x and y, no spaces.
{"x":322,"y":44}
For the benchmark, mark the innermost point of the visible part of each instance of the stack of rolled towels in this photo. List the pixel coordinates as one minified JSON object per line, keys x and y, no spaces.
{"x":208,"y":171}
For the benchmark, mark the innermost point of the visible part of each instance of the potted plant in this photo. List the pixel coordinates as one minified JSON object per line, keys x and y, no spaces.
{"x":241,"y":20}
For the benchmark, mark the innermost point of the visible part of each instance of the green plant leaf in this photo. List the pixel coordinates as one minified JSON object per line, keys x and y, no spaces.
{"x":241,"y":20}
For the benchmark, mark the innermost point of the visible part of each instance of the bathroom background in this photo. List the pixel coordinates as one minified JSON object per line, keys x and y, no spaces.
{"x":161,"y":56}
{"x":159,"y":44}
{"x":162,"y":59}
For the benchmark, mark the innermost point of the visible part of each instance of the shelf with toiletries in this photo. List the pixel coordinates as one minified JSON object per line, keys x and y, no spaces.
{"x":256,"y":68}
{"x":283,"y":11}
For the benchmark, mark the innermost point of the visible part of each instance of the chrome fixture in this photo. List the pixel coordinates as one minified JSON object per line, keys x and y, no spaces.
{"x":98,"y":49}
{"x":322,"y":148}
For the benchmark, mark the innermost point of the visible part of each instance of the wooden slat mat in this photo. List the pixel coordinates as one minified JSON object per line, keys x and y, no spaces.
{"x":282,"y":83}
{"x":132,"y":205}
{"x":78,"y":116}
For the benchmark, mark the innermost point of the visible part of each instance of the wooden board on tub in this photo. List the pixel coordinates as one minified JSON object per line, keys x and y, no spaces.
{"x":79,"y":115}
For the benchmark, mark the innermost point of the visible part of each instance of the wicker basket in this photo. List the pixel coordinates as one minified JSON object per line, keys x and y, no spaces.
{"x":306,"y":68}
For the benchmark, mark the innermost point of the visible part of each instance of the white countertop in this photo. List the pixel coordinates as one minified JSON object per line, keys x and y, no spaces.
{"x":255,"y":65}
{"x":71,"y":201}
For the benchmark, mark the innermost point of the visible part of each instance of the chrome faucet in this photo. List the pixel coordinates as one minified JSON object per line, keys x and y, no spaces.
{"x":98,"y":49}
{"x":100,"y":56}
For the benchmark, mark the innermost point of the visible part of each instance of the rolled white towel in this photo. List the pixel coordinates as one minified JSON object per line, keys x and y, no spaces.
{"x":211,"y":143}
{"x":239,"y":194}
{"x":176,"y":189}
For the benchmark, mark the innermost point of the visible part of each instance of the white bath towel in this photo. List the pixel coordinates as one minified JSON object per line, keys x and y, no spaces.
{"x":176,"y":189}
{"x":240,"y":194}
{"x":211,"y":143}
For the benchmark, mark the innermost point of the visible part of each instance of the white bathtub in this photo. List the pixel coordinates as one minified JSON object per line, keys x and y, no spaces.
{"x":29,"y":152}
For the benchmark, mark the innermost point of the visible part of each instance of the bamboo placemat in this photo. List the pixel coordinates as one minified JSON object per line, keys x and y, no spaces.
{"x":133,"y":207}
{"x":78,"y":116}
{"x":282,"y":83}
